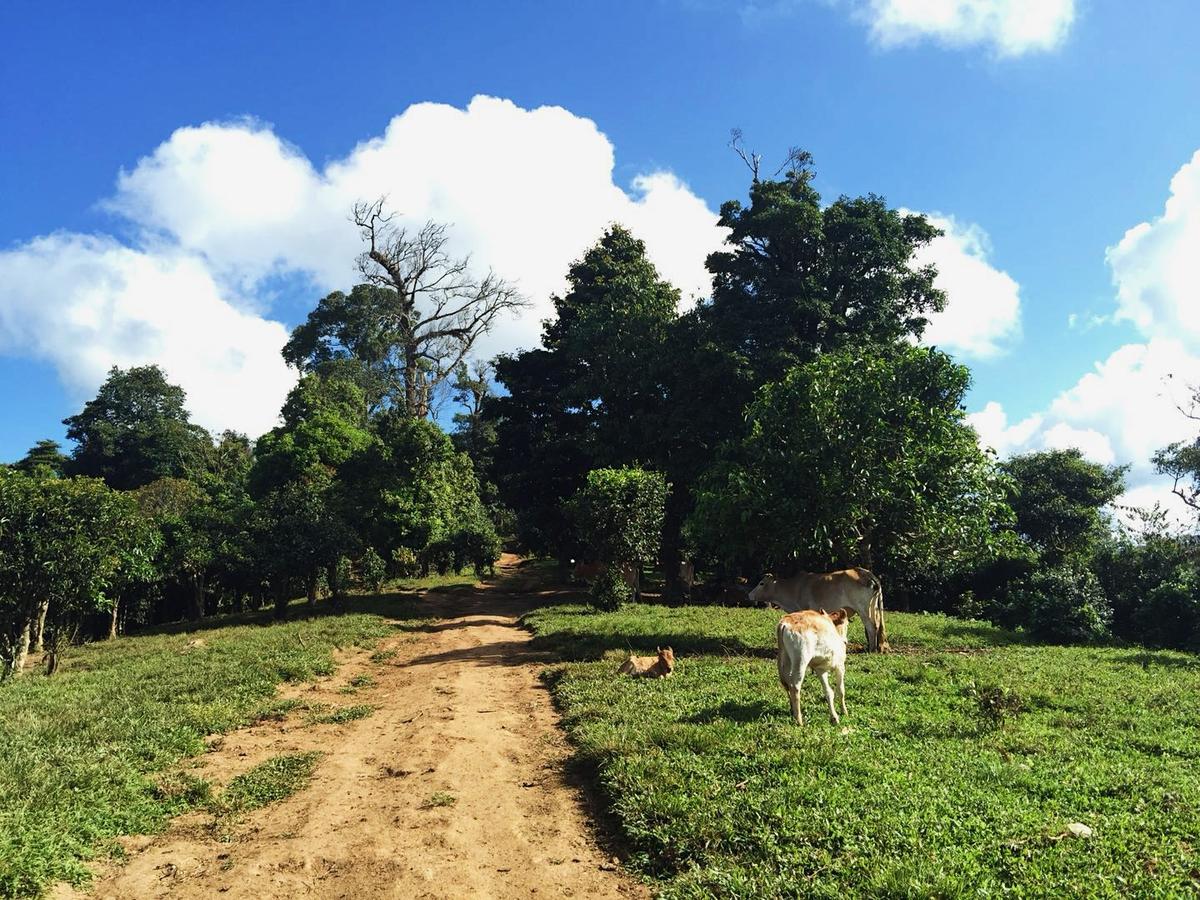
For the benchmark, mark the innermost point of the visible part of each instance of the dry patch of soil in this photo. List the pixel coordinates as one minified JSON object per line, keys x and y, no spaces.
{"x":453,"y":787}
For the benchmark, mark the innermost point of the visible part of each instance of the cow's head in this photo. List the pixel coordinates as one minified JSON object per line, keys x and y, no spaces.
{"x":666,"y":656}
{"x":762,"y":590}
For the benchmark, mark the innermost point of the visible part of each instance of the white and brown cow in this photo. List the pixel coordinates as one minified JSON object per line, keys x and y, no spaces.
{"x":817,"y":641}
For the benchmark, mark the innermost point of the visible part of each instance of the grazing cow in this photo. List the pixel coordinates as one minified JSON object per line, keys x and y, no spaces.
{"x":856,"y":590}
{"x":817,"y":641}
{"x":659,"y":666}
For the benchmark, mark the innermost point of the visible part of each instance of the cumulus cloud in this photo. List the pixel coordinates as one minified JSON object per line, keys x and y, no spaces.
{"x":983,"y":309}
{"x":1156,"y":267}
{"x":88,"y":303}
{"x":1122,"y":411}
{"x":1127,"y":406}
{"x":1009,"y":27}
{"x":219,"y":210}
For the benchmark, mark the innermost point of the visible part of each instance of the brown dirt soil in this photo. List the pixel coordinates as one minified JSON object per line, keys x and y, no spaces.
{"x":462,"y":719}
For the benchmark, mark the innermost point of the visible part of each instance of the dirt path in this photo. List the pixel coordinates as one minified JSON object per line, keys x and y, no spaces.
{"x":454,"y":787}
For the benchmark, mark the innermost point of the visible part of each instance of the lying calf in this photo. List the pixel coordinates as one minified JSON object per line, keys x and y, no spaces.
{"x":659,"y":666}
{"x":817,"y":641}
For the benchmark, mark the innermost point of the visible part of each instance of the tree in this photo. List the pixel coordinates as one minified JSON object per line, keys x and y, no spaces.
{"x":619,"y":517}
{"x":413,"y":322}
{"x":795,"y":279}
{"x":1058,"y":498}
{"x":861,"y":456}
{"x":305,"y":513}
{"x":594,"y":396}
{"x":43,"y":459}
{"x":135,"y":430}
{"x":63,"y":543}
{"x":419,"y":494}
{"x":179,"y":509}
{"x":1181,"y":460}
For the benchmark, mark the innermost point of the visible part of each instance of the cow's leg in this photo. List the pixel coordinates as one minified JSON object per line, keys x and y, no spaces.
{"x":872,"y":633}
{"x":840,"y":675}
{"x":833,"y":716}
{"x":794,"y":698}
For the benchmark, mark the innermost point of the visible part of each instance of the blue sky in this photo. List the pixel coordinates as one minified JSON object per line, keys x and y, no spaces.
{"x":1052,"y":127}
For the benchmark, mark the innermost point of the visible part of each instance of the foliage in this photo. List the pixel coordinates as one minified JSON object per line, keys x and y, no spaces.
{"x":1170,"y":614}
{"x":44,"y":459}
{"x":372,"y":569}
{"x":135,"y":430}
{"x":1064,"y":604}
{"x":716,"y":793}
{"x":860,"y":456}
{"x":619,"y":514}
{"x":63,"y":544}
{"x":1057,"y":497}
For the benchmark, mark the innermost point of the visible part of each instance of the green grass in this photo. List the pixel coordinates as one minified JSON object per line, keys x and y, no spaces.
{"x":325,"y":715}
{"x":441,"y":798}
{"x":81,"y":753}
{"x":968,"y":753}
{"x":269,"y":782}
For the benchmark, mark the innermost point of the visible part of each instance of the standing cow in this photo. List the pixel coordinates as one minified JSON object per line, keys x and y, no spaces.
{"x":817,"y":641}
{"x":854,"y":589}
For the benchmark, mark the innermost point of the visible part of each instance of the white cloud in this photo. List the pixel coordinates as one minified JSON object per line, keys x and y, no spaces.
{"x":218,"y":209}
{"x":1010,"y":27}
{"x":88,"y":303}
{"x":1156,"y":266}
{"x":1122,"y":411}
{"x":983,"y":309}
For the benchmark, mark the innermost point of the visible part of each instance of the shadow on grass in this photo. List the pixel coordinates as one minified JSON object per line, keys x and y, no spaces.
{"x":733,"y":712}
{"x":1173,"y":659}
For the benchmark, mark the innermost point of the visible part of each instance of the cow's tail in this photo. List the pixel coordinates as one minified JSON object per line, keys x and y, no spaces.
{"x":876,"y":609}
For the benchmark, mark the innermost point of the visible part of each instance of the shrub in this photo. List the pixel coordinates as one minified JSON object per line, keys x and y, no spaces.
{"x":478,"y":547}
{"x":372,"y":570}
{"x":1064,"y":605}
{"x":610,"y":590}
{"x":1170,"y":614}
{"x":405,"y":563}
{"x":619,"y":517}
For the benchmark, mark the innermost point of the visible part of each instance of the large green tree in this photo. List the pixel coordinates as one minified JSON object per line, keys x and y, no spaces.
{"x":135,"y":430}
{"x":593,"y":395}
{"x":1059,"y":498}
{"x":860,"y":456}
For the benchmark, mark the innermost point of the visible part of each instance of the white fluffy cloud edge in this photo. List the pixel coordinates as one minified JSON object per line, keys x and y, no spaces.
{"x":1128,"y":406}
{"x":1010,"y":28}
{"x":219,"y":212}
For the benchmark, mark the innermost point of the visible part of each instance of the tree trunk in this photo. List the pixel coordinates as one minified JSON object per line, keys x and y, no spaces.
{"x":18,"y":663}
{"x":196,"y":600}
{"x":671,"y":552}
{"x":313,"y":581}
{"x":335,"y":587}
{"x":116,"y":614}
{"x":411,"y":375}
{"x":281,"y":600}
{"x":39,"y":633}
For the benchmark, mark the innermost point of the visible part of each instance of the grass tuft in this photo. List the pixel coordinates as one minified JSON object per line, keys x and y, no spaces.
{"x":269,"y":782}
{"x":339,"y":715}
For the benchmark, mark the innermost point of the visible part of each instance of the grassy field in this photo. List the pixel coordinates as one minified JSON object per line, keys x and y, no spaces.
{"x":81,"y":752}
{"x":968,"y":753}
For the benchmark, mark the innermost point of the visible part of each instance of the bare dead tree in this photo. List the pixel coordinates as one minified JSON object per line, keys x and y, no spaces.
{"x":796,"y":161}
{"x":443,"y":308}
